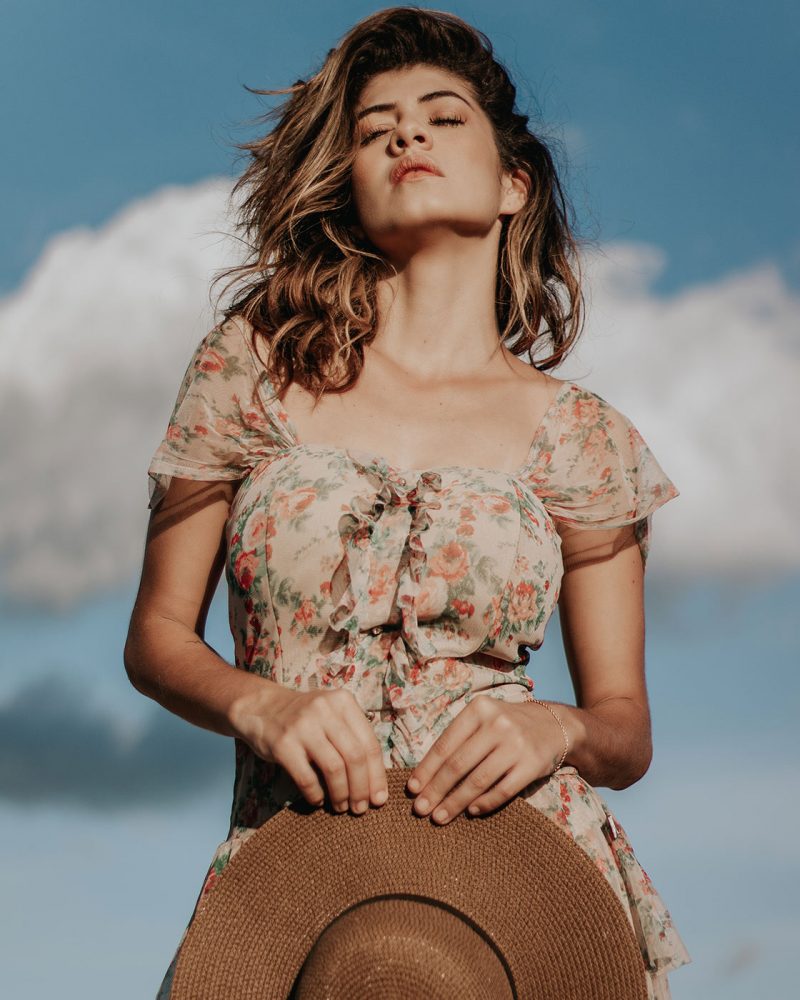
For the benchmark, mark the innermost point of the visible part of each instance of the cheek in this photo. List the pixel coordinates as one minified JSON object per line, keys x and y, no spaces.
{"x":360,"y":184}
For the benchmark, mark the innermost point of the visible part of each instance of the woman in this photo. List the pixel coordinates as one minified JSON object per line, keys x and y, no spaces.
{"x":397,"y":499}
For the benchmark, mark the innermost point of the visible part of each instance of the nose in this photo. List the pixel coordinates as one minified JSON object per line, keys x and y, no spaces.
{"x":409,"y":133}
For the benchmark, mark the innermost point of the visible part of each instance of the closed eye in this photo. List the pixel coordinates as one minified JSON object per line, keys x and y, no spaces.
{"x":444,"y":120}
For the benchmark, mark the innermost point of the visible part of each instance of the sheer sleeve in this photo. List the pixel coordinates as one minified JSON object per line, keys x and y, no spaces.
{"x":598,"y":473}
{"x":219,"y":427}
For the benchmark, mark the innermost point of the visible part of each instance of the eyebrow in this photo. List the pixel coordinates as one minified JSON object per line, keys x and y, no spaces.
{"x":422,"y":100}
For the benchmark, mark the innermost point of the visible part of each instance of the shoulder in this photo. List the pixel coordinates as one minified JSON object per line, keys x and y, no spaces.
{"x":528,"y":372}
{"x":232,"y":348}
{"x":233,"y":334}
{"x":240,"y":335}
{"x":576,"y":403}
{"x":588,"y":419}
{"x":595,"y":465}
{"x":550,"y":396}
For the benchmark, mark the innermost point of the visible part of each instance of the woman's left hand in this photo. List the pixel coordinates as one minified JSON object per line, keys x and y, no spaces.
{"x":488,"y":753}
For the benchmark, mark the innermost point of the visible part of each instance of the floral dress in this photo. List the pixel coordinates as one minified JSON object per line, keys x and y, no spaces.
{"x":416,"y":589}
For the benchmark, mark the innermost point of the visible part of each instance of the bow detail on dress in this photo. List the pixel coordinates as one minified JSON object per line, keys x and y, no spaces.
{"x":356,"y":526}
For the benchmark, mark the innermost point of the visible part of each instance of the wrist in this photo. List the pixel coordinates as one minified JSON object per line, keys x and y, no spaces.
{"x":248,"y":712}
{"x":571,"y":726}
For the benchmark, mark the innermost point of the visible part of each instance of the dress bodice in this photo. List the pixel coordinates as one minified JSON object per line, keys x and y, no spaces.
{"x":415,"y":589}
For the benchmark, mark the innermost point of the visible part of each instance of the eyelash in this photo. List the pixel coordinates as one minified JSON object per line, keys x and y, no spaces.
{"x":443,"y":120}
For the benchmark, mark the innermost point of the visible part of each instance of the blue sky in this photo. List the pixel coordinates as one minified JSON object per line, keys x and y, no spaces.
{"x":677,"y":115}
{"x":680,"y":156}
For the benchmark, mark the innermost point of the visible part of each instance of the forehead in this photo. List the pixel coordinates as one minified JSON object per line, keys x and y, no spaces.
{"x":410,"y":83}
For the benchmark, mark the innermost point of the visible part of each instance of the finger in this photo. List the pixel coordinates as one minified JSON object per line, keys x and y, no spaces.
{"x":465,"y":724}
{"x":374,"y":772}
{"x":458,"y":767}
{"x":376,"y":769}
{"x":484,"y":777}
{"x":329,"y":760}
{"x":378,"y":786}
{"x":294,"y":759}
{"x":503,"y":791}
{"x":348,"y":731}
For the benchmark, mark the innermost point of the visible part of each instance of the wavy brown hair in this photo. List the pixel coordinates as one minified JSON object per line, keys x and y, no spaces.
{"x":310,"y":281}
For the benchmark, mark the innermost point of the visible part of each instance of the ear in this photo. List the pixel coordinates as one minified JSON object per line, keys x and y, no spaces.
{"x":516,"y":187}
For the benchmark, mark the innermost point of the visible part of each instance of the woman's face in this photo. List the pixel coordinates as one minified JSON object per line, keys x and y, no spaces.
{"x":430,"y":113}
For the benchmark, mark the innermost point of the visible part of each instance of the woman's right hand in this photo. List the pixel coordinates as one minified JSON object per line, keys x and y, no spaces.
{"x":298,"y":729}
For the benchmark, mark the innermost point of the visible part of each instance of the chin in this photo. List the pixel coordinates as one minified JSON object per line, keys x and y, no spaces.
{"x":431,"y":223}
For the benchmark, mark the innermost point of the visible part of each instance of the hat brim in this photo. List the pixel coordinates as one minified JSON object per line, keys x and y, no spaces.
{"x":533,"y":892}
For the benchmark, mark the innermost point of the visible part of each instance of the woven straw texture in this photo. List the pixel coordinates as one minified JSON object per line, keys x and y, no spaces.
{"x":536,"y":920}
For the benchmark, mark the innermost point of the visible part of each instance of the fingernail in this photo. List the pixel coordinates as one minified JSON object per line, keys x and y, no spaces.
{"x":421,"y":805}
{"x":360,"y":806}
{"x":381,"y":796}
{"x":414,"y":785}
{"x":440,"y":815}
{"x":340,"y":807}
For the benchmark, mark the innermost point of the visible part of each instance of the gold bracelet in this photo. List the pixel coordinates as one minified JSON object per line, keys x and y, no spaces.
{"x":563,"y":730}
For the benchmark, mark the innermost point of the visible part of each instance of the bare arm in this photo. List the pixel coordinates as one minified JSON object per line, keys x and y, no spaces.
{"x":166,"y":657}
{"x":601,"y":609}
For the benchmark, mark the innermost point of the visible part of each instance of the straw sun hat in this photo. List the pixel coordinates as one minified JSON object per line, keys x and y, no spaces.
{"x":318,"y":905}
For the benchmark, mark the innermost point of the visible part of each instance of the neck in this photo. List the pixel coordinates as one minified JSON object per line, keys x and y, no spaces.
{"x":437,"y":315}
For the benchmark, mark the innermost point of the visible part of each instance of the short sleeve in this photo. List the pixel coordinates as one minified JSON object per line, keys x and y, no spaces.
{"x":219,"y":427}
{"x":597,"y":472}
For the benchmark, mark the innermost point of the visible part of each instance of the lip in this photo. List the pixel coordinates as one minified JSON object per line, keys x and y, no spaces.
{"x":413,"y":162}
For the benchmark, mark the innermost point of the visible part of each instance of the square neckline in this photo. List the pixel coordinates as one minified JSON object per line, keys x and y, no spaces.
{"x":282,"y":415}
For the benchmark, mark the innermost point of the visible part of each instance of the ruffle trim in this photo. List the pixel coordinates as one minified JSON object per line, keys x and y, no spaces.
{"x":409,"y":646}
{"x":594,"y":470}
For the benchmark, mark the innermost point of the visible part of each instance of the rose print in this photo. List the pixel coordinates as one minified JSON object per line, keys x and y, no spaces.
{"x":451,"y":561}
{"x":462,"y":608}
{"x":305,"y":614}
{"x":384,"y":581}
{"x":210,"y":361}
{"x":227,"y":427}
{"x":244,"y":568}
{"x":586,"y":411}
{"x":289,"y":505}
{"x":492,"y":504}
{"x":595,"y":443}
{"x":494,"y":616}
{"x":432,"y":598}
{"x":454,"y":673}
{"x":255,"y":419}
{"x":523,"y":607}
{"x":255,"y":529}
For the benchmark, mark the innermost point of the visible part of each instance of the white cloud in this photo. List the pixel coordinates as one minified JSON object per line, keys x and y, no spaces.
{"x":94,"y":343}
{"x":709,"y":375}
{"x":93,"y":346}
